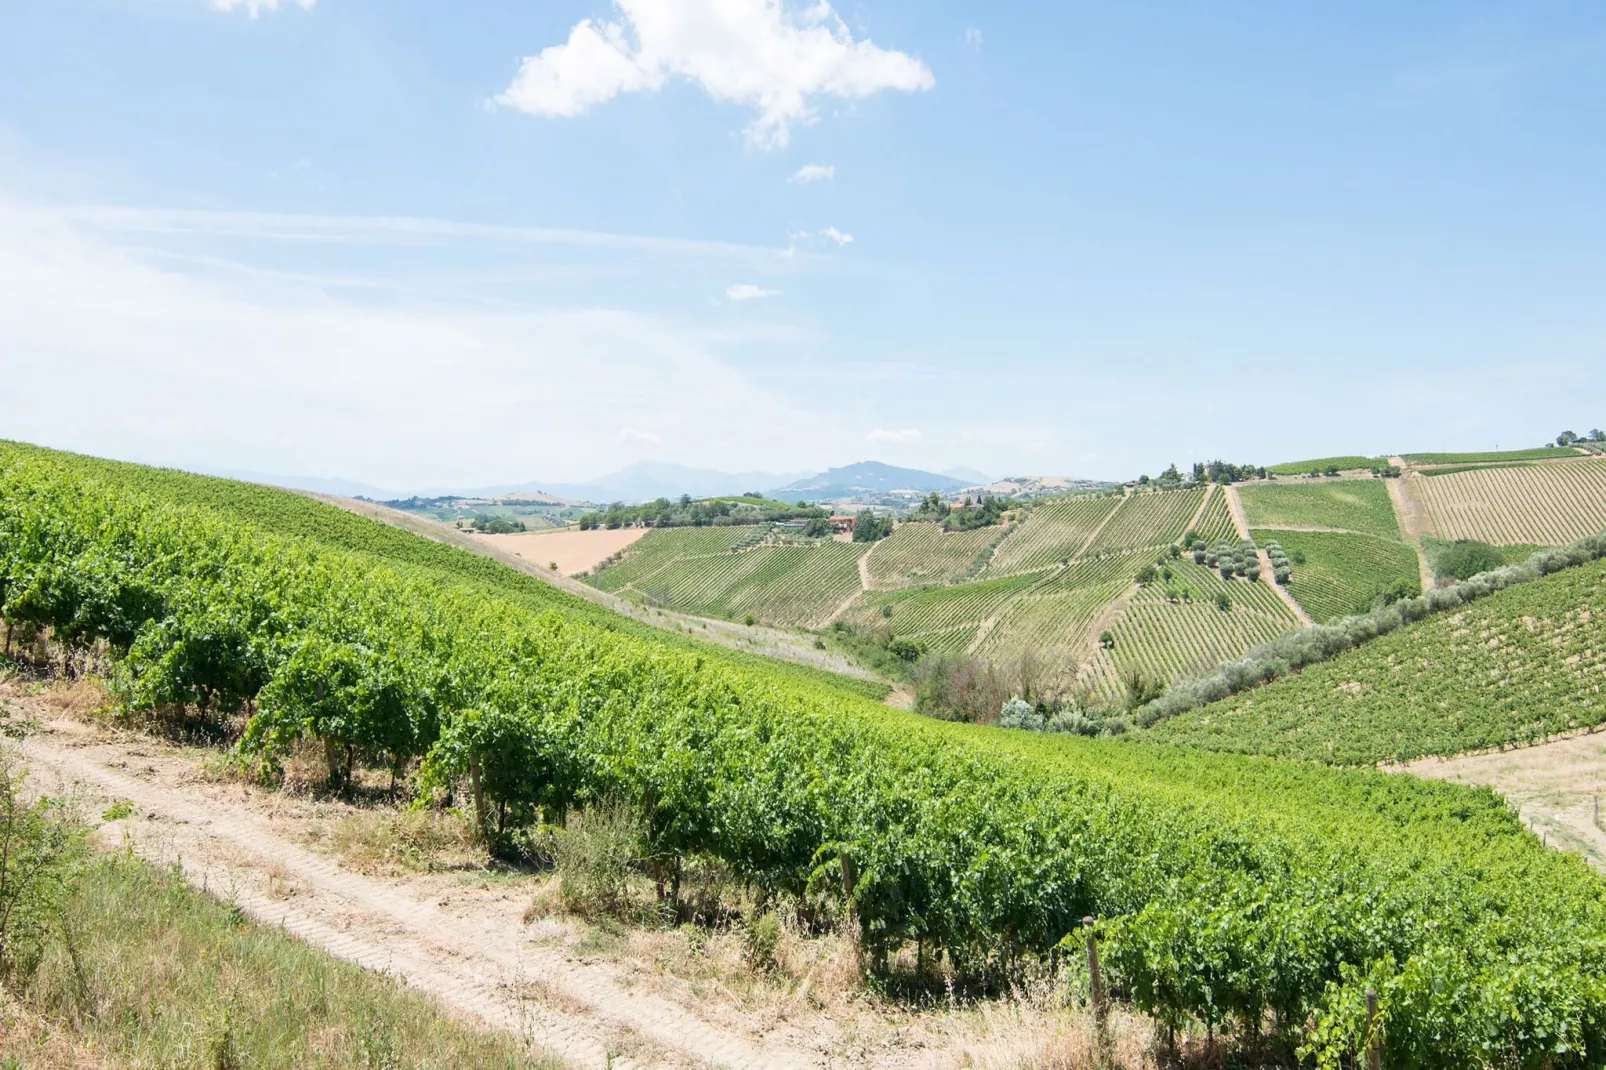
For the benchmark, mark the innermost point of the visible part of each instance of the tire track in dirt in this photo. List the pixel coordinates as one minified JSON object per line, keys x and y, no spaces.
{"x":484,"y":966}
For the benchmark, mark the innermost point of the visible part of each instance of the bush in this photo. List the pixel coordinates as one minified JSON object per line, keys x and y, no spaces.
{"x":1018,"y":713}
{"x":42,"y":845}
{"x":1223,"y":603}
{"x":1465,"y":558}
{"x":596,"y":856}
{"x":762,"y":937}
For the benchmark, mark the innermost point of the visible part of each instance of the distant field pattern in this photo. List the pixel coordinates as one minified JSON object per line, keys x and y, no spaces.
{"x":1052,"y":532}
{"x":927,"y":612}
{"x":1322,"y":464}
{"x":1170,"y":640}
{"x":924,"y":553}
{"x":694,"y":570}
{"x":1342,"y":570}
{"x":1544,"y":454}
{"x":1154,"y":518}
{"x":1547,"y":504}
{"x":1215,"y":523}
{"x":1348,"y":504}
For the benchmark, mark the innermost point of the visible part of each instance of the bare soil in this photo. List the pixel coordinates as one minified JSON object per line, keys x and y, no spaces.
{"x":1555,"y":786}
{"x":573,"y":551}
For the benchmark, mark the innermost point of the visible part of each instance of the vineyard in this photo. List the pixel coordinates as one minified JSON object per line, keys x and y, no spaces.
{"x":1148,"y":518}
{"x":696,"y":570}
{"x":1547,"y":504}
{"x":1052,"y":532}
{"x":1347,"y":504}
{"x":954,"y":612}
{"x":1545,"y":453}
{"x":1053,"y":619}
{"x":1165,"y":638}
{"x":1322,"y":464}
{"x":1215,"y":523}
{"x":1341,"y":572}
{"x":1515,"y":667}
{"x":924,"y":553}
{"x":1222,"y":889}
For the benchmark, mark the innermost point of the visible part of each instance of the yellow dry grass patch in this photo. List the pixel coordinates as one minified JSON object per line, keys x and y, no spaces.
{"x":573,"y":551}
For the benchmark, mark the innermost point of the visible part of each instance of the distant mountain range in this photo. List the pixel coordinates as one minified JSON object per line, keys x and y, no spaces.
{"x":647,"y":480}
{"x":865,"y":479}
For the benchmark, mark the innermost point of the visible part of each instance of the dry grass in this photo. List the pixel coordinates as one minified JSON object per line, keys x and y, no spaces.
{"x":30,"y":1040}
{"x":392,"y":842}
{"x":83,"y":699}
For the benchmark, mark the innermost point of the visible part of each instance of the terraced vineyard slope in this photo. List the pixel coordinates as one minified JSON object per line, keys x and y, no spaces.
{"x":1514,"y":667}
{"x":700,"y":570}
{"x":1054,"y":531}
{"x":924,"y":553}
{"x":1343,"y":572}
{"x":1548,"y":504}
{"x":1339,"y":504}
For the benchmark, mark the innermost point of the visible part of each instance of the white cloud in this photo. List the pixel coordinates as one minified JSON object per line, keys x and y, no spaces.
{"x":813,"y":172}
{"x":884,"y":437}
{"x":257,"y":7}
{"x":830,"y":234}
{"x":746,"y":291}
{"x":973,"y":39}
{"x":638,"y":438}
{"x":754,"y":53}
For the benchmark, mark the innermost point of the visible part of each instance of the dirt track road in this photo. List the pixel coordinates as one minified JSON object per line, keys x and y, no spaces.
{"x":471,"y":951}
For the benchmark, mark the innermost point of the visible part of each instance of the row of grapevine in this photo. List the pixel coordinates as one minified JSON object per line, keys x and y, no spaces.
{"x":1220,"y":888}
{"x":1346,"y":504}
{"x":1215,"y":523}
{"x":1547,"y":504}
{"x":924,"y":553}
{"x":786,"y":585}
{"x":1515,"y":667}
{"x":1343,"y":573}
{"x":1052,"y":532}
{"x":661,"y":546}
{"x":920,"y":610}
{"x":1151,"y":518}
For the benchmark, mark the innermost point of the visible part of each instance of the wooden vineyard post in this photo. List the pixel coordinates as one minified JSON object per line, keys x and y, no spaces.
{"x":1101,"y":1006}
{"x":1374,"y":1050}
{"x":1596,"y":801}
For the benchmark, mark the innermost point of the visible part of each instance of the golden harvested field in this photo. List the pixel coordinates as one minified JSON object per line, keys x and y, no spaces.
{"x":574,"y":551}
{"x":1545,"y":504}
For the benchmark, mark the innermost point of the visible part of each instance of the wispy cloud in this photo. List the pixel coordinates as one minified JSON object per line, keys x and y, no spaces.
{"x":199,"y":366}
{"x":973,"y":39}
{"x":755,"y":53}
{"x":812,"y":172}
{"x":369,"y":230}
{"x":746,"y":291}
{"x":824,"y":234}
{"x":256,"y":7}
{"x":884,"y":437}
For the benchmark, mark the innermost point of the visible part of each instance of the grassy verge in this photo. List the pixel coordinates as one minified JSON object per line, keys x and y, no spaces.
{"x":148,"y":972}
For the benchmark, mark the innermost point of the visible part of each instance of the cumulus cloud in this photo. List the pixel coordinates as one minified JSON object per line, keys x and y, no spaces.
{"x":813,"y":172}
{"x":753,"y":53}
{"x":256,"y":7}
{"x":746,"y":291}
{"x":883,"y":437}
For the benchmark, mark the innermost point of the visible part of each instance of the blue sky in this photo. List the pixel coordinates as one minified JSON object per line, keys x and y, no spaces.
{"x":425,"y":244}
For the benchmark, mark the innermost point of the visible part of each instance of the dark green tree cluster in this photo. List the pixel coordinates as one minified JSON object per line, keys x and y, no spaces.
{"x":707,"y":512}
{"x":497,"y":525}
{"x":1222,"y":472}
{"x":868,"y":527}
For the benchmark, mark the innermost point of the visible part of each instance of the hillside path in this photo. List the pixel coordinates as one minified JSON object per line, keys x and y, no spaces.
{"x":470,"y":950}
{"x":864,"y":585}
{"x":1240,"y":520}
{"x":1408,"y":511}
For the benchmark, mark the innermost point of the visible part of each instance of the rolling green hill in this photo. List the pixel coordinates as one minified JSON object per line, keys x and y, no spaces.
{"x":1218,"y":885}
{"x":1514,"y":667}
